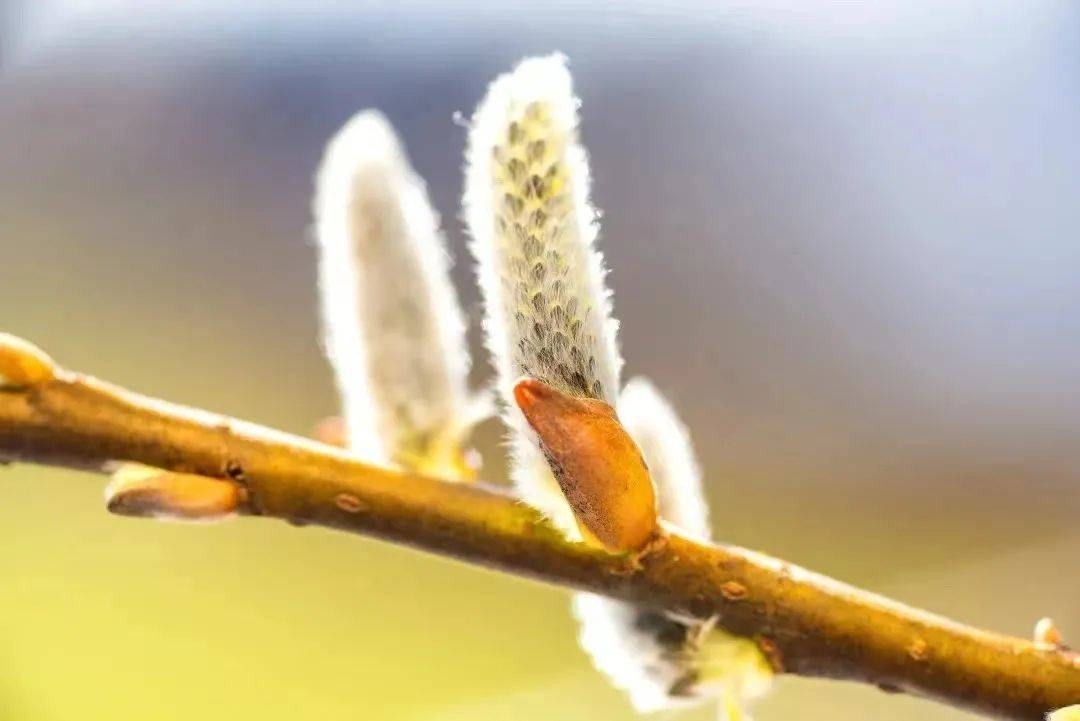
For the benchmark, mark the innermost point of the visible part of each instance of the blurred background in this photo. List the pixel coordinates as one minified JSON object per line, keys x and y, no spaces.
{"x":844,"y":239}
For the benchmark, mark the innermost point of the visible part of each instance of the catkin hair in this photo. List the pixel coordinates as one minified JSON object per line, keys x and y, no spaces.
{"x":533,"y":233}
{"x":393,"y":329}
{"x":659,"y":660}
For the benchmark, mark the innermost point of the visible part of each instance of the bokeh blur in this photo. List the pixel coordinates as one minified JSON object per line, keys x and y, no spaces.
{"x":844,"y":239}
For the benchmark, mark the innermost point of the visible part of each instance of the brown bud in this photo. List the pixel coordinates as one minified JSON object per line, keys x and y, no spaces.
{"x":22,"y":363}
{"x":597,"y":464}
{"x":153,"y":493}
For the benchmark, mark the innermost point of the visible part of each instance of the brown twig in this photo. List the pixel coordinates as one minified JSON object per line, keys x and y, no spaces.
{"x":807,"y":624}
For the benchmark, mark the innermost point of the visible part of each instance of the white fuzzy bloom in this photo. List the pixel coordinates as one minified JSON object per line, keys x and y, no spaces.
{"x":665,"y":442}
{"x":527,"y":207}
{"x":628,"y":646}
{"x":394,"y":331}
{"x":1069,"y":713}
{"x":663,"y":662}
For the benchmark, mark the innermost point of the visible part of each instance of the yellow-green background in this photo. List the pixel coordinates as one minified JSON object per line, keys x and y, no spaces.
{"x":844,"y":240}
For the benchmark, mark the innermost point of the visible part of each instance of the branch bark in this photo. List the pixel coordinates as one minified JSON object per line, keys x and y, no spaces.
{"x":807,"y":624}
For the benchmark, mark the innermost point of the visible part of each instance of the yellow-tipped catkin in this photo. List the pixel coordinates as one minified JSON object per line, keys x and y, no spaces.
{"x":23,"y":364}
{"x":394,"y":332}
{"x":659,"y":660}
{"x":548,"y":313}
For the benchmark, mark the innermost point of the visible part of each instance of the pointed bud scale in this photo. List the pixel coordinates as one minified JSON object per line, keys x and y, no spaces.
{"x":597,"y":465}
{"x":146,"y":492}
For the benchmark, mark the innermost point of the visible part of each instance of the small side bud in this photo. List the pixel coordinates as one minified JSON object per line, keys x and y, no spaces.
{"x":145,"y":492}
{"x":1069,"y":713}
{"x":1047,"y":635}
{"x":23,"y":364}
{"x":597,"y":464}
{"x":331,"y":431}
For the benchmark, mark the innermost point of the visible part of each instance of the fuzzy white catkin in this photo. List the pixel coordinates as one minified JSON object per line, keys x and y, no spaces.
{"x":533,"y":231}
{"x":1069,"y":713}
{"x":659,"y":661}
{"x":393,"y":329}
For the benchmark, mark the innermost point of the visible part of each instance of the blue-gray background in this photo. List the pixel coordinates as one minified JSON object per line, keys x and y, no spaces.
{"x":844,"y":239}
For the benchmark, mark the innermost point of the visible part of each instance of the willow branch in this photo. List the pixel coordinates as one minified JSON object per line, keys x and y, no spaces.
{"x":808,"y":624}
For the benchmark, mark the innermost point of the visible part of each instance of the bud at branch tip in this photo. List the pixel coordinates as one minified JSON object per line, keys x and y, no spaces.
{"x":23,"y":364}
